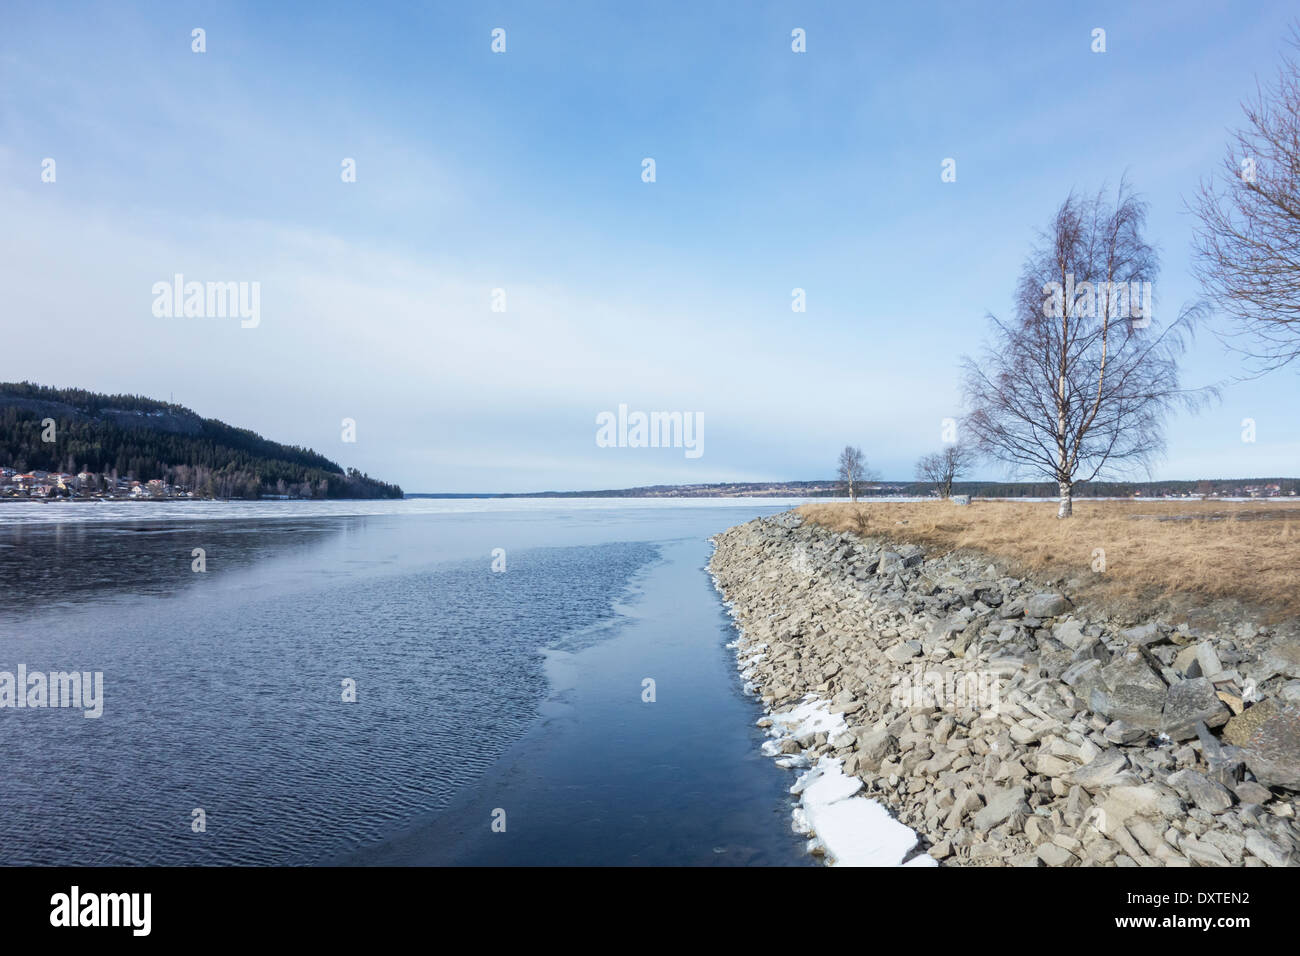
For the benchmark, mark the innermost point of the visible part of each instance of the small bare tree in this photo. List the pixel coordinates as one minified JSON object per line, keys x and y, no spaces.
{"x":852,"y":470}
{"x":1079,"y":382}
{"x":942,"y":468}
{"x":1247,"y":240}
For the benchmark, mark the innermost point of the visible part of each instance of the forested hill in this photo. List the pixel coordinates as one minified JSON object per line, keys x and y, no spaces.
{"x":131,"y":437}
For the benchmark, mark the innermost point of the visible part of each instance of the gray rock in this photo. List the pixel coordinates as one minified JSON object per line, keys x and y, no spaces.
{"x":1264,"y":848}
{"x":874,"y":747}
{"x":1187,"y":704}
{"x":1269,"y":737}
{"x":1118,"y":732}
{"x":1143,"y":634}
{"x":1248,"y":791}
{"x":1053,"y":855}
{"x":1203,"y":854}
{"x":1050,"y":604}
{"x":1134,"y":693}
{"x":890,"y":562}
{"x":1134,"y":705}
{"x":1002,"y":806}
{"x":904,"y":651}
{"x":1108,"y":769}
{"x":1282,"y":658}
{"x":1201,"y":790}
{"x":1208,"y":659}
{"x":1069,"y":633}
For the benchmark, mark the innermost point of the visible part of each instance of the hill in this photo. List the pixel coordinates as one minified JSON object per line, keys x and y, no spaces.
{"x":120,"y":438}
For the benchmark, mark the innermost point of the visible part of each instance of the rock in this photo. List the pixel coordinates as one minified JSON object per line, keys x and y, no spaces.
{"x":1136,"y":706}
{"x":1189,"y":702}
{"x":1118,"y":732}
{"x":1012,"y":610}
{"x":960,"y":499}
{"x":1207,"y":659}
{"x":1053,"y":855}
{"x":1002,"y":806}
{"x":1143,"y":634}
{"x":1050,"y":766}
{"x":1134,"y":693}
{"x":967,"y":801}
{"x":904,"y":651}
{"x":1085,"y":677}
{"x":1185,"y":662}
{"x":1147,"y":800}
{"x":874,"y":747}
{"x":845,"y":739}
{"x":1248,"y":791}
{"x":1069,"y":633}
{"x":1050,"y":604}
{"x":1202,"y":854}
{"x":1107,"y":769}
{"x":890,"y":563}
{"x":1269,"y":737}
{"x":1201,"y":790}
{"x":1264,"y":848}
{"x":1282,"y":658}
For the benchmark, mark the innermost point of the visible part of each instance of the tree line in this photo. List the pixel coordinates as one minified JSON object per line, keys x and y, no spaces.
{"x":99,"y":434}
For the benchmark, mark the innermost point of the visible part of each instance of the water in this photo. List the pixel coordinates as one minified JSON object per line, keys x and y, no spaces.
{"x":476,"y":691}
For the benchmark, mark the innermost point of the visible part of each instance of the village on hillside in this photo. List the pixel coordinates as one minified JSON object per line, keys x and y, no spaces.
{"x":85,"y":484}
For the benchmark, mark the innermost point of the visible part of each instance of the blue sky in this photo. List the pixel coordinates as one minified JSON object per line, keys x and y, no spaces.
{"x":522,"y":171}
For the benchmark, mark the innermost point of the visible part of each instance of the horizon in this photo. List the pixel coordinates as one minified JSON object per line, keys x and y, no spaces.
{"x":522,"y":172}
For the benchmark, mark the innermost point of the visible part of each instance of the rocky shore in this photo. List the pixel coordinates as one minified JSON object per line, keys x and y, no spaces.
{"x":1001,"y":723}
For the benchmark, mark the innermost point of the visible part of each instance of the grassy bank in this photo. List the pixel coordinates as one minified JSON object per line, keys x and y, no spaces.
{"x":1164,"y":555}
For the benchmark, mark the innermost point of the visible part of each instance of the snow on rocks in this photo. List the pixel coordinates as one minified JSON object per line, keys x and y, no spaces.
{"x":932,"y":697}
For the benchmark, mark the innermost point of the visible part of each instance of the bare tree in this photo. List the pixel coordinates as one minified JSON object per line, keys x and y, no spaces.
{"x":1079,"y":382}
{"x":852,"y":470}
{"x":1247,"y":240}
{"x":942,"y":468}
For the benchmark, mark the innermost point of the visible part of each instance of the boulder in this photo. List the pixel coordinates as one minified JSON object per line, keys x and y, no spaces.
{"x":1201,"y":790}
{"x":874,"y":747}
{"x":1189,"y":702}
{"x":1001,"y":807}
{"x":1134,"y":693}
{"x":1143,"y":634}
{"x":1269,"y":737}
{"x":1069,"y":633}
{"x":1282,"y":658}
{"x":1264,"y":848}
{"x":1050,"y":604}
{"x":1108,"y":769}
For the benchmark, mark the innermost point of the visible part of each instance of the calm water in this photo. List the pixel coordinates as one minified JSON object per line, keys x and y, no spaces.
{"x":480,"y":695}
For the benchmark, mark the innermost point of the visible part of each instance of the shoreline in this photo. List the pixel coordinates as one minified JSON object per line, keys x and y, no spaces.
{"x":999,"y":722}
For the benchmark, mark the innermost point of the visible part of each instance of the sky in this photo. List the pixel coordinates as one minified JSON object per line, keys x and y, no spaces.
{"x":522,"y":171}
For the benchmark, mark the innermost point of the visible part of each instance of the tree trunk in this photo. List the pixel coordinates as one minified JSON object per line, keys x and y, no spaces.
{"x":1067,"y":503}
{"x":853,"y":495}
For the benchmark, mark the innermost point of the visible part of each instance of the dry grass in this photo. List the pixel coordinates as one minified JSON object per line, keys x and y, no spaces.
{"x":1160,"y":555}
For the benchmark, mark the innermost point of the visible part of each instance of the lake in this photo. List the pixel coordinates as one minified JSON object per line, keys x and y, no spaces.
{"x":354,"y":682}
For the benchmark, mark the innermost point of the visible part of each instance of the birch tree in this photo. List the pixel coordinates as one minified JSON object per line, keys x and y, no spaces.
{"x":1247,"y":242}
{"x":852,"y":470}
{"x":1077,"y":385}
